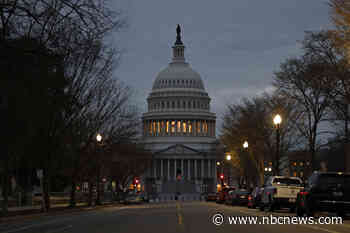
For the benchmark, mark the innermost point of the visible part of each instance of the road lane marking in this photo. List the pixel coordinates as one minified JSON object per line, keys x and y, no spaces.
{"x":179,"y":217}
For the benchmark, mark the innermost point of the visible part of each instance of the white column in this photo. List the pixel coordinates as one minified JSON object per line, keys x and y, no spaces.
{"x":168,"y":169}
{"x":202,"y":163}
{"x":194,"y":128}
{"x":188,"y":169}
{"x":175,"y":168}
{"x":209,"y":173}
{"x":161,"y":169}
{"x":181,"y":127}
{"x":213,"y":130}
{"x":182,"y":168}
{"x":195,"y":169}
{"x":155,"y":168}
{"x":176,"y":127}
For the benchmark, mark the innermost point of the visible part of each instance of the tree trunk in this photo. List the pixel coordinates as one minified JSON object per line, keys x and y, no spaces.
{"x":46,"y":189}
{"x":5,"y":187}
{"x":72,"y":202}
{"x":90,"y":194}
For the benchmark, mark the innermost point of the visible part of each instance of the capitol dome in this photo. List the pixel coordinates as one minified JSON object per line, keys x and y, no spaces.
{"x":178,"y":105}
{"x":178,"y":75}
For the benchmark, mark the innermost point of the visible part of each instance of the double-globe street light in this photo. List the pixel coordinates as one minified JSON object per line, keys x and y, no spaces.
{"x":277,"y":121}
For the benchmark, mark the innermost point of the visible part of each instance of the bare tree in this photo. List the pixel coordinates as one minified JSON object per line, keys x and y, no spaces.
{"x":302,"y":80}
{"x":75,"y":31}
{"x":251,"y":120}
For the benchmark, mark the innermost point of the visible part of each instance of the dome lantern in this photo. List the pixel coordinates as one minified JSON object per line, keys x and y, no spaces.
{"x":178,"y":48}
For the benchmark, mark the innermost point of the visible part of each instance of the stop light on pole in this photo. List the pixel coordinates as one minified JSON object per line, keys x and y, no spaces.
{"x":221,"y":176}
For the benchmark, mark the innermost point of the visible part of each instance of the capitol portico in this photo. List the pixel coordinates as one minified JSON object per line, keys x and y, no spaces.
{"x":179,"y":130}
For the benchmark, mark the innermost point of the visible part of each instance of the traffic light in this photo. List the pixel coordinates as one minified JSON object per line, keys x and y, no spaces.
{"x":221,"y":176}
{"x":136,"y":181}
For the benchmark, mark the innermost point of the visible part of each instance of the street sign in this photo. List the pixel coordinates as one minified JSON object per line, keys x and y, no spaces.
{"x":39,"y":173}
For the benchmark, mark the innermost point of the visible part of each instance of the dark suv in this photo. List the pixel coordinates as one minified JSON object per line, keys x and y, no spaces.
{"x":325,"y":191}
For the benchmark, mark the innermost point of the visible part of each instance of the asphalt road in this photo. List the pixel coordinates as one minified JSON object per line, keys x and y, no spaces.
{"x":165,"y":218}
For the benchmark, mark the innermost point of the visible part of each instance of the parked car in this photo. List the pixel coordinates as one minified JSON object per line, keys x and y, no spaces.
{"x":325,"y":191}
{"x":223,"y":194}
{"x":255,"y":197}
{"x":210,"y":196}
{"x":240,"y":197}
{"x":229,"y":197}
{"x":280,"y":192}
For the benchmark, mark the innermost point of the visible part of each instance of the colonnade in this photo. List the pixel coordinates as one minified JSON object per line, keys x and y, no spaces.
{"x":187,"y":169}
{"x":179,"y":128}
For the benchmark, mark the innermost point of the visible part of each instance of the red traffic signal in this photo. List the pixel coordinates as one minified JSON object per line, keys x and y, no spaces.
{"x":136,"y":181}
{"x":221,"y":176}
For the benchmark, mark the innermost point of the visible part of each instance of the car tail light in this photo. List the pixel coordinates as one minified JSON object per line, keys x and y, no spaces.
{"x":303,"y":193}
{"x":249,"y":198}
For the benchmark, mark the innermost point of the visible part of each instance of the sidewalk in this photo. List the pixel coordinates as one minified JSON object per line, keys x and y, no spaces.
{"x":38,"y":207}
{"x":27,"y":212}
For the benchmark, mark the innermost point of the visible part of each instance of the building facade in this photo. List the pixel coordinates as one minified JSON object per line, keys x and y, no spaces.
{"x":179,"y":130}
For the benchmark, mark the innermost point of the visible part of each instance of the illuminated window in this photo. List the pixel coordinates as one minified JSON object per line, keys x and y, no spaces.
{"x":167,"y":126}
{"x":189,"y":127}
{"x":301,"y":164}
{"x":184,"y":127}
{"x":294,"y":174}
{"x":173,"y":126}
{"x":295,"y":163}
{"x":150,"y":127}
{"x":158,"y":126}
{"x":154,"y":127}
{"x":301,"y":174}
{"x":198,"y":127}
{"x":179,"y":126}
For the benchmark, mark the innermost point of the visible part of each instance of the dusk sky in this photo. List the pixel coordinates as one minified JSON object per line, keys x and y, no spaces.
{"x":234,"y":45}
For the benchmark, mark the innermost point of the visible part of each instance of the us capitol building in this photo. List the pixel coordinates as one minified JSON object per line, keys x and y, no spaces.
{"x":179,"y":131}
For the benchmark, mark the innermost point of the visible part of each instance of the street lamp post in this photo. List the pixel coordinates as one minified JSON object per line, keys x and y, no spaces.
{"x":245,"y":148}
{"x":277,"y":121}
{"x":228,"y":158}
{"x":98,"y":198}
